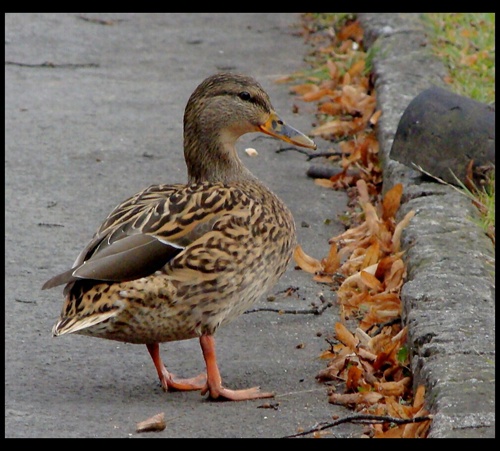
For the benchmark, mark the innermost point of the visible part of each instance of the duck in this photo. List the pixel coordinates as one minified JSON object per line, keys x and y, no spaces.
{"x":178,"y":261}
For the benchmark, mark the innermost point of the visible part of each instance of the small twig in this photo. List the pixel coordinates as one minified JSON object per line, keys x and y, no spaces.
{"x":311,"y":155}
{"x":361,"y":419}
{"x":49,"y":224}
{"x":25,"y":302}
{"x":315,"y":310}
{"x":51,"y":65}
{"x":100,"y":21}
{"x":288,"y":291}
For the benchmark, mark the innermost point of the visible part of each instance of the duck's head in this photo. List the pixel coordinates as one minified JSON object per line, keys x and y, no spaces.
{"x":221,"y":109}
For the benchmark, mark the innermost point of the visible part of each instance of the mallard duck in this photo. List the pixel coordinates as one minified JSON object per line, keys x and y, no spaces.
{"x":175,"y":262}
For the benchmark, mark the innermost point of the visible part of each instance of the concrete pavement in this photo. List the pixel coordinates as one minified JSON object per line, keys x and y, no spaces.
{"x":94,"y":106}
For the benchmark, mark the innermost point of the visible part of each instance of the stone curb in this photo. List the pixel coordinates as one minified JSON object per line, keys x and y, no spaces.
{"x":449,"y":295}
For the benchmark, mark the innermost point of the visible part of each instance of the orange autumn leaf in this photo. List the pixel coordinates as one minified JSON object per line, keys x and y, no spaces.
{"x":331,"y":108}
{"x":325,"y":183}
{"x":362,"y":398}
{"x":333,"y":70}
{"x":370,"y":281}
{"x":387,"y":356}
{"x":303,"y":88}
{"x":395,"y":409}
{"x":332,"y":262}
{"x":344,"y":179}
{"x":366,"y":355}
{"x":378,"y":316}
{"x":336,"y":367}
{"x":394,"y":432}
{"x":364,"y":198}
{"x":355,"y":378}
{"x":305,"y":262}
{"x":371,"y":219}
{"x":352,"y":31}
{"x":392,"y":388}
{"x":347,"y":147}
{"x":419,"y":397}
{"x":357,"y":101}
{"x":400,"y":337}
{"x":391,"y":202}
{"x":284,"y":79}
{"x":364,"y":152}
{"x":323,"y":278}
{"x":375,"y":117}
{"x":351,"y":98}
{"x":385,"y":264}
{"x":385,"y":298}
{"x":413,"y":430}
{"x":335,"y":127}
{"x":350,"y":301}
{"x":357,"y":68}
{"x":368,"y":253}
{"x":316,"y":95}
{"x":345,"y":336}
{"x":354,"y":282}
{"x":326,"y":355}
{"x":396,"y":236}
{"x":380,"y":342}
{"x":346,"y":79}
{"x":394,"y":280}
{"x":372,"y":255}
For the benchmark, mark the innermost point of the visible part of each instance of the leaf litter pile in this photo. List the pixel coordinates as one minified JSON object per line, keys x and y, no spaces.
{"x":367,"y":360}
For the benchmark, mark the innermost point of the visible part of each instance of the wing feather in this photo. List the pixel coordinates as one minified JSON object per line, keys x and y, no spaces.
{"x":146,"y":231}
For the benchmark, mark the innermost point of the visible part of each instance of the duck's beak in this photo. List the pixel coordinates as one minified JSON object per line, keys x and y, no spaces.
{"x":277,"y":128}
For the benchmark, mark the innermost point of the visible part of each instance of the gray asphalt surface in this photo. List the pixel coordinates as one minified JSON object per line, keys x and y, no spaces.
{"x":94,"y":106}
{"x":93,"y":113}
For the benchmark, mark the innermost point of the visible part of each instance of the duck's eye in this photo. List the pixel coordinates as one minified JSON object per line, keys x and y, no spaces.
{"x":244,"y":95}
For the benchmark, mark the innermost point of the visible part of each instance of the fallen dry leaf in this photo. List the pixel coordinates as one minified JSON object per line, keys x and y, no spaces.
{"x":331,"y":108}
{"x":316,"y":95}
{"x":391,"y":202}
{"x":356,"y":399}
{"x":332,"y":262}
{"x":396,"y":237}
{"x":304,"y":88}
{"x":345,"y":336}
{"x":368,"y":254}
{"x":393,"y":388}
{"x":154,"y":424}
{"x":357,"y":68}
{"x":375,"y":117}
{"x":305,"y":262}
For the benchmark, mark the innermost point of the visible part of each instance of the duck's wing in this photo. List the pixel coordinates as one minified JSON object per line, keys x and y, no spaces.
{"x":149,"y":229}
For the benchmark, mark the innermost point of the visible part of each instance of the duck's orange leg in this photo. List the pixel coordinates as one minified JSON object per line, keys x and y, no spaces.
{"x":214,"y":382}
{"x":168,"y":380}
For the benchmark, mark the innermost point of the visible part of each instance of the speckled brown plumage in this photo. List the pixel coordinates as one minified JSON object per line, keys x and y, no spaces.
{"x":175,"y":262}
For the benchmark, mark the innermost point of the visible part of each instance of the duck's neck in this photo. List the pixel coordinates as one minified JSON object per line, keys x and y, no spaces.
{"x":214,"y":159}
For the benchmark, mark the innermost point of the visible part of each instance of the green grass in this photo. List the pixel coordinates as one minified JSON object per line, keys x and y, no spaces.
{"x":465,"y":42}
{"x":484,"y":199}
